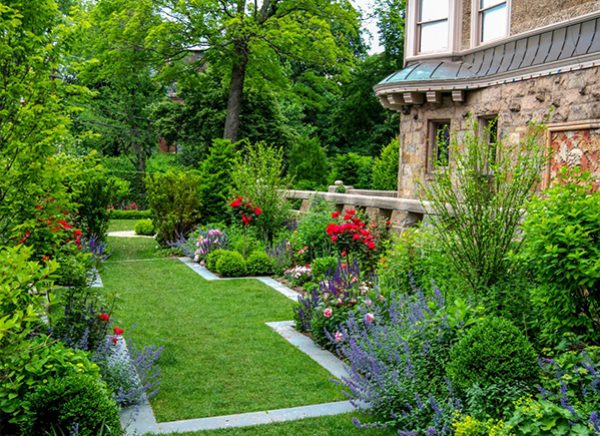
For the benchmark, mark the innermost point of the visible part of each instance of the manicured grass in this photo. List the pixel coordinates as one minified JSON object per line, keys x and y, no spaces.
{"x":339,"y":425}
{"x":220,"y":358}
{"x":121,"y":225}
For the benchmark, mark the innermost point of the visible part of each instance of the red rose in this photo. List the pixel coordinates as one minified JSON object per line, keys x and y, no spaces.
{"x":236,"y":203}
{"x":351,"y":212}
{"x":118,"y":331}
{"x":115,"y":340}
{"x":335,"y":215}
{"x":77,"y":233}
{"x":371,"y":245}
{"x":257,"y":211}
{"x":355,"y":237}
{"x":388,"y":223}
{"x":246,"y":219}
{"x":334,"y":238}
{"x":38,"y":207}
{"x":344,"y":253}
{"x":103,"y":316}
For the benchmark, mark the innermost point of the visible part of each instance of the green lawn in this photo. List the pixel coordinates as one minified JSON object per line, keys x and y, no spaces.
{"x":339,"y":425}
{"x":120,"y":225}
{"x":220,"y":358}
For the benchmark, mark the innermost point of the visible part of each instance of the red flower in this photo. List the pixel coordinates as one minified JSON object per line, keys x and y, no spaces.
{"x":115,"y":340}
{"x":334,"y":238}
{"x":347,"y":217}
{"x":79,"y":247}
{"x":351,"y":212}
{"x":103,"y":316}
{"x":236,"y":203}
{"x":344,"y":253}
{"x":257,"y":211}
{"x":39,"y":207}
{"x":246,"y":219}
{"x":388,"y":223}
{"x":77,"y":233}
{"x":335,"y":215}
{"x":65,"y":224}
{"x":45,"y":259}
{"x":371,"y":245}
{"x":355,"y":237}
{"x":118,"y":331}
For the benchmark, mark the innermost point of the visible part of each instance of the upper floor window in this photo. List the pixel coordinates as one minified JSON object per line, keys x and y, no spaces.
{"x":493,"y":19}
{"x":432,"y":25}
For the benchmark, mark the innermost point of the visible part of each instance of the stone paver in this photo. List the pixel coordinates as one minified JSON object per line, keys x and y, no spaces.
{"x":323,"y":357}
{"x":127,"y":234}
{"x":269,"y":281}
{"x":256,"y":418}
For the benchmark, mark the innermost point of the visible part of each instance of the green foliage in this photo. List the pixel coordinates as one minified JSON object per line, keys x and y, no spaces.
{"x":323,"y":266}
{"x":31,"y":365}
{"x":353,"y":169}
{"x":562,"y":248}
{"x":144,"y":227}
{"x":416,"y":259}
{"x":258,"y":176}
{"x":76,"y":401}
{"x":385,"y":167}
{"x":231,"y":264}
{"x":216,"y":180}
{"x":535,"y":417}
{"x":307,"y":163}
{"x":466,"y":425}
{"x":310,"y":236}
{"x":35,"y":36}
{"x":356,"y":120}
{"x":479,"y":200}
{"x":259,"y":264}
{"x":118,"y":214}
{"x":213,"y":258}
{"x":93,"y":191}
{"x":493,"y":351}
{"x":174,"y":199}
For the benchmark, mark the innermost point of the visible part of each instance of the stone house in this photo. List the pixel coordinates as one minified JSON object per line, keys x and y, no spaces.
{"x":510,"y":60}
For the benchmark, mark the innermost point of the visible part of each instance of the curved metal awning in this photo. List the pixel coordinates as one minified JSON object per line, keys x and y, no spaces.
{"x":574,"y":45}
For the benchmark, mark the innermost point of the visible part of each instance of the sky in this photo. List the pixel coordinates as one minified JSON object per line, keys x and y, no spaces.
{"x":369,"y":23}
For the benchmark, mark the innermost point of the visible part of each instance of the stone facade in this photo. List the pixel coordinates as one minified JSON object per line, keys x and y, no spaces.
{"x":565,"y":98}
{"x":532,"y":14}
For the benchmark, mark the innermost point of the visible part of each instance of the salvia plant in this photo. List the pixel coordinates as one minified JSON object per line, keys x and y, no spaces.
{"x":397,"y":352}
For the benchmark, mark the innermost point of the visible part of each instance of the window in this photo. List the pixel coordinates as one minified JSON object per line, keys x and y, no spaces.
{"x":432,"y":25}
{"x":488,"y":131}
{"x":493,"y":19}
{"x":438,"y":153}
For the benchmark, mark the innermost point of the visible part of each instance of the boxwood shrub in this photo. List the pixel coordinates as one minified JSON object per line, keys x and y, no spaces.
{"x":231,"y":264}
{"x":259,"y":264}
{"x":144,"y":227}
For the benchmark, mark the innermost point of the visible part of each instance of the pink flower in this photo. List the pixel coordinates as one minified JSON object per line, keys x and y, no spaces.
{"x":369,"y":318}
{"x":339,"y":336}
{"x":327,"y":313}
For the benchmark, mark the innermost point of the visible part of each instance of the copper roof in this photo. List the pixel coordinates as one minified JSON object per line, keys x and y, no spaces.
{"x":575,"y":44}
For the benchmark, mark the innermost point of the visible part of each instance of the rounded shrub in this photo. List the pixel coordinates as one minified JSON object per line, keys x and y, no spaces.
{"x":212,"y":258}
{"x":144,"y":227}
{"x":231,"y":264}
{"x":492,"y":352}
{"x":259,"y":264}
{"x":76,"y":404}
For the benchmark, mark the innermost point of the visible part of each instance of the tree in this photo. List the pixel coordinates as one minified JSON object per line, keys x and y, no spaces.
{"x":32,"y":122}
{"x":385,"y":167}
{"x":308,"y":163}
{"x":120,"y":71}
{"x":215,"y":181}
{"x":251,"y":40}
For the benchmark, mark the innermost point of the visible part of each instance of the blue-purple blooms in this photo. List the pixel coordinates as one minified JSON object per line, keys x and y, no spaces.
{"x":578,"y":390}
{"x":397,"y":363}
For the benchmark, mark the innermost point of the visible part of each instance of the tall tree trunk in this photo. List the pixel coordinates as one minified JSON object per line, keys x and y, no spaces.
{"x":236,"y":91}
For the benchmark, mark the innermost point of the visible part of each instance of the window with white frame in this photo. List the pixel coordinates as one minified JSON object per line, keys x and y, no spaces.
{"x":432,"y":25}
{"x":493,"y":19}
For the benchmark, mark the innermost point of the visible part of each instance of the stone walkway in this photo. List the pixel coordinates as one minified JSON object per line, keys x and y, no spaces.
{"x":128,"y":234}
{"x":140,"y":420}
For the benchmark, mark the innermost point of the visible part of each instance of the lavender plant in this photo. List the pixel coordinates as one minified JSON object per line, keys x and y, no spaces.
{"x":397,"y":353}
{"x":281,"y":253}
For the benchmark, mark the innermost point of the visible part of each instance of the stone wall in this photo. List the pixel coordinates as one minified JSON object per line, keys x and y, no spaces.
{"x":531,"y":14}
{"x":466,"y":25}
{"x":575,"y":96}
